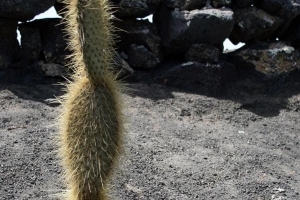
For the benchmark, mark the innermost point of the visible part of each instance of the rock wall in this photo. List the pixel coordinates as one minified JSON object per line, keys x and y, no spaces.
{"x":190,"y":32}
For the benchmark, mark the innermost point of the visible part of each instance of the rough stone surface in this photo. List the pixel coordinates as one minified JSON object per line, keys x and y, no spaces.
{"x":134,"y":8}
{"x":203,"y":53}
{"x":292,"y":34}
{"x":52,"y":69}
{"x":140,"y":32}
{"x":31,"y":42}
{"x":141,"y":57}
{"x":190,"y":4}
{"x":53,"y":42}
{"x":253,"y":23}
{"x":60,"y":7}
{"x":170,"y":3}
{"x":122,"y":68}
{"x":243,"y":3}
{"x":8,"y":41}
{"x":180,"y":29}
{"x":207,"y":78}
{"x":268,"y":58}
{"x":221,"y":3}
{"x":287,"y":10}
{"x":23,"y":10}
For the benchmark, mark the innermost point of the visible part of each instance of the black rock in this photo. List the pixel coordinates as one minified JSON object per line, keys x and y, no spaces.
{"x":140,"y":57}
{"x":8,"y":42}
{"x":203,"y":53}
{"x":134,"y":8}
{"x":23,"y":10}
{"x":190,"y":4}
{"x":31,"y":43}
{"x":140,"y":32}
{"x":243,"y":3}
{"x":204,"y":78}
{"x":60,"y":7}
{"x":292,"y":34}
{"x":54,"y":44}
{"x":287,"y":10}
{"x":221,"y":3}
{"x":122,"y":69}
{"x":253,"y":23}
{"x":180,"y":29}
{"x":271,"y":59}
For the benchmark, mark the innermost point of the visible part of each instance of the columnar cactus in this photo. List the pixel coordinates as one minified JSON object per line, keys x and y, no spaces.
{"x":91,"y":121}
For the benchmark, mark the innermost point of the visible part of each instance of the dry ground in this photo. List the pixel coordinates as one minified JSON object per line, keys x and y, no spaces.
{"x":239,"y":145}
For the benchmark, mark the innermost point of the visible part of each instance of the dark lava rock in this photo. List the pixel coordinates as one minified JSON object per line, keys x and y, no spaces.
{"x":170,"y":3}
{"x":292,"y":34}
{"x":52,"y":69}
{"x":287,"y":10}
{"x":122,"y":69}
{"x":204,"y":78}
{"x":140,"y":57}
{"x":221,"y":3}
{"x":31,"y":43}
{"x":140,"y":32}
{"x":243,"y":3}
{"x":180,"y":29}
{"x":54,"y":41}
{"x":134,"y":8}
{"x":268,"y":58}
{"x":60,"y":7}
{"x":54,"y":44}
{"x":23,"y":10}
{"x":253,"y":23}
{"x":190,"y":4}
{"x":8,"y":41}
{"x":203,"y":53}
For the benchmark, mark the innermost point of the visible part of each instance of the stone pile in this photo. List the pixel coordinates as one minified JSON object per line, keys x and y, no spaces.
{"x":191,"y":32}
{"x":12,"y":12}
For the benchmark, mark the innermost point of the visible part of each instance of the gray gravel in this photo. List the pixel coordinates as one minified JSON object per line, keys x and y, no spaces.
{"x":179,"y":145}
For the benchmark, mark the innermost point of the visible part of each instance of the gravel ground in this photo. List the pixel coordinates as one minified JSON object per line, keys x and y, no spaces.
{"x":241,"y":144}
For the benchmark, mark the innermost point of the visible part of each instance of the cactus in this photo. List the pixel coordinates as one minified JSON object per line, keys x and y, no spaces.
{"x":91,"y":121}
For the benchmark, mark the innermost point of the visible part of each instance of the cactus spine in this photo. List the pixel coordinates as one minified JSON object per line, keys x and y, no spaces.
{"x":91,"y":123}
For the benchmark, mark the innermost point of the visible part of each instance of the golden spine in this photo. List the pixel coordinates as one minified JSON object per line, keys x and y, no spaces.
{"x":91,"y":120}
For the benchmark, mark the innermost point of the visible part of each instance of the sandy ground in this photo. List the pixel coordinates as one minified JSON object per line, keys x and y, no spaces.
{"x":239,"y":145}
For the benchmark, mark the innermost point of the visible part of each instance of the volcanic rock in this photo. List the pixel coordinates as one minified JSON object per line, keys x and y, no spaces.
{"x":54,"y":44}
{"x":122,"y":69}
{"x":221,"y":3}
{"x":203,"y":53}
{"x":292,"y":34}
{"x":23,"y":10}
{"x":134,"y":8}
{"x":190,"y":4}
{"x":31,"y":42}
{"x":287,"y":10}
{"x":253,"y":23}
{"x":243,"y":3}
{"x":141,"y":57}
{"x":268,"y":58}
{"x":180,"y":29}
{"x":209,"y":78}
{"x":140,"y":32}
{"x":8,"y":42}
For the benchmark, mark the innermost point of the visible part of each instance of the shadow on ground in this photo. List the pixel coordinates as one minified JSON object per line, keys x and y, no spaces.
{"x":255,"y":92}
